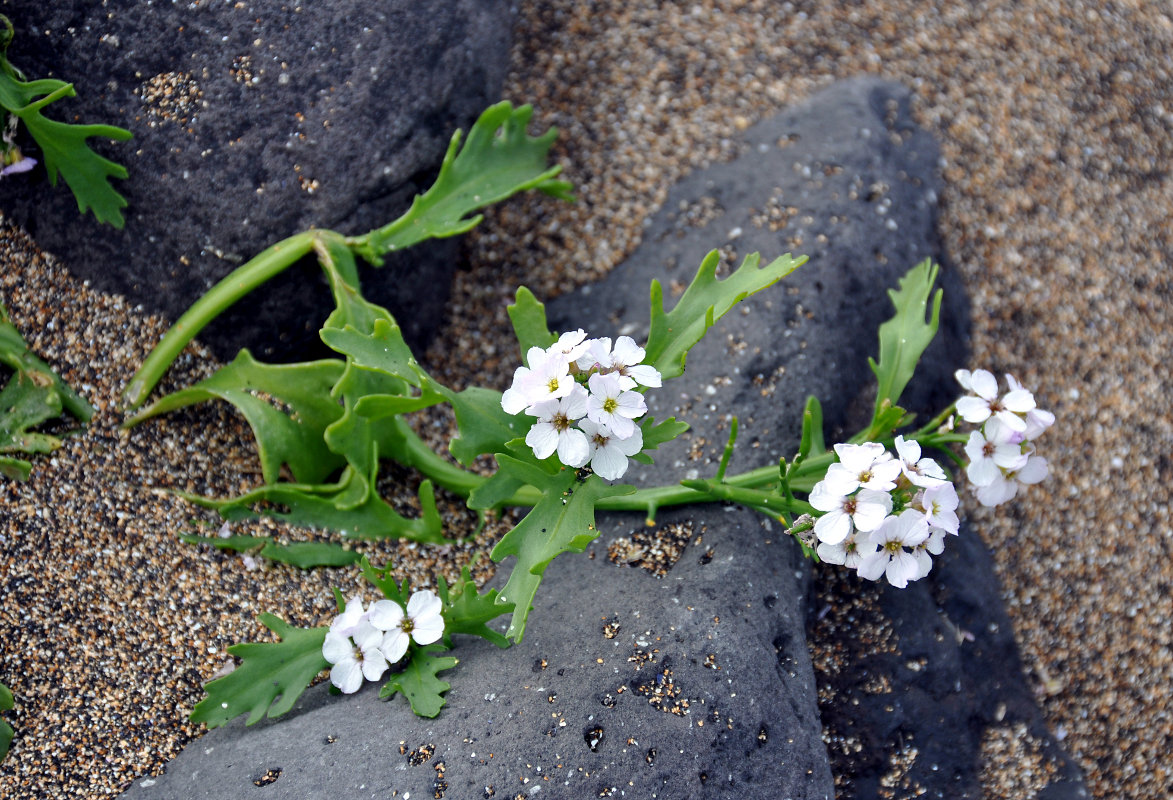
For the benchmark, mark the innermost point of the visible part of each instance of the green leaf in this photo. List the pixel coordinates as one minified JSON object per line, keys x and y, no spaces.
{"x":564,"y":519}
{"x":484,"y":425}
{"x":497,"y":160}
{"x":905,"y":336}
{"x":418,"y":681}
{"x":270,"y":677}
{"x":528,"y":316}
{"x":24,"y":404}
{"x":467,"y":611}
{"x":15,"y":353}
{"x":705,"y":301}
{"x":306,"y":555}
{"x":812,"y":429}
{"x":63,"y":146}
{"x":288,"y":407}
{"x":6,"y":733}
{"x":385,"y":582}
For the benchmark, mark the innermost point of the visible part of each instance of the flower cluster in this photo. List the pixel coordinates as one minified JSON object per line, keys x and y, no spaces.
{"x":884,"y":515}
{"x":1001,"y":453}
{"x":583,"y":394}
{"x":363,"y":643}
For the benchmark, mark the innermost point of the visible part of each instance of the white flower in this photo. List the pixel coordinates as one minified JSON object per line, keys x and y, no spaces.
{"x":923,"y":472}
{"x":994,"y":448}
{"x":423,"y":622}
{"x":569,"y":347}
{"x":935,"y":544}
{"x":354,"y":657}
{"x":864,"y":511}
{"x":625,"y":359}
{"x":609,"y":453}
{"x":1005,"y":485}
{"x":1037,"y":420}
{"x":1011,"y":408}
{"x":896,"y":538}
{"x":546,"y":378}
{"x":939,"y":504}
{"x":597,"y":355}
{"x":346,"y":622}
{"x":554,"y":431}
{"x":850,"y":552}
{"x":865,"y":465}
{"x":610,"y":405}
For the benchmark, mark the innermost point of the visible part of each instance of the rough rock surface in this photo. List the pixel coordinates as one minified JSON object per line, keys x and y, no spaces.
{"x":252,"y":122}
{"x":850,"y":181}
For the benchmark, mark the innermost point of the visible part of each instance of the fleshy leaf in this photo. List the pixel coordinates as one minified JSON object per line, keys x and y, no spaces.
{"x":270,"y":677}
{"x":904,"y":337}
{"x":705,"y":301}
{"x":498,"y":159}
{"x":385,"y":582}
{"x":63,"y":146}
{"x":467,"y":611}
{"x":15,"y":353}
{"x":288,"y":407}
{"x":484,"y":425}
{"x":564,"y":519}
{"x":812,"y":429}
{"x":418,"y":681}
{"x":306,"y":555}
{"x":528,"y":316}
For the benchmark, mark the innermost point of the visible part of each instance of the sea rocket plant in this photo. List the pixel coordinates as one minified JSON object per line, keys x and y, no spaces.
{"x":551,"y":388}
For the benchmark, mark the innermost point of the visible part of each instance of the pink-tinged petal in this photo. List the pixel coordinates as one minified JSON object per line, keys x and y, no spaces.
{"x":908,"y":451}
{"x":424,"y":603}
{"x":1009,"y":456}
{"x":973,"y":409}
{"x":386,"y":615}
{"x":513,"y":401}
{"x":573,"y":448}
{"x":394,"y":646}
{"x":833,"y":527}
{"x":1036,"y":469}
{"x":543,"y":438}
{"x":337,"y":648}
{"x":984,"y":384}
{"x":983,"y":472}
{"x":347,"y":676}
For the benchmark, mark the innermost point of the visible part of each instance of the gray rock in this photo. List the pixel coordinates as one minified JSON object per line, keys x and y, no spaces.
{"x":252,"y":122}
{"x":696,"y":684}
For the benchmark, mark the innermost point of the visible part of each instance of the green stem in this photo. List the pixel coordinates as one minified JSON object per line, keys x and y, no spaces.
{"x":236,"y":285}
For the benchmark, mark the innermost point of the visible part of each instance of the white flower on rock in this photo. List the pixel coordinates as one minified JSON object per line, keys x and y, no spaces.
{"x":423,"y":622}
{"x":984,"y":403}
{"x":354,"y":657}
{"x":939,"y":504}
{"x":346,"y":622}
{"x":554,"y":429}
{"x":865,"y":465}
{"x":850,"y":552}
{"x":625,"y":359}
{"x":864,"y":511}
{"x":1004,"y":486}
{"x":609,"y":453}
{"x":896,"y":538}
{"x":546,"y":378}
{"x":611,"y":405}
{"x":996,"y":447}
{"x":923,"y":472}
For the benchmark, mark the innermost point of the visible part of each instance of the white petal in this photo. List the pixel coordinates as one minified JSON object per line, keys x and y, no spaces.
{"x":873,"y":565}
{"x":832,"y":553}
{"x":347,"y":676}
{"x":626,"y":352}
{"x":424,"y":603}
{"x":646,"y":375}
{"x":984,"y":384}
{"x":973,"y":409}
{"x":367,"y":636}
{"x":573,"y":448}
{"x":337,"y":648}
{"x":901,"y":569}
{"x":386,"y":615}
{"x":833,"y":527}
{"x":963,"y":377}
{"x":428,"y":629}
{"x":983,"y":472}
{"x":574,"y":405}
{"x":609,"y":463}
{"x":394,"y":645}
{"x":1011,"y":421}
{"x":1019,"y":401}
{"x":826,"y":498}
{"x":373,"y":664}
{"x":543,"y":438}
{"x":1035,"y":470}
{"x":997,"y":493}
{"x":839,"y":481}
{"x":630,"y":445}
{"x":622,"y":427}
{"x":513,"y":401}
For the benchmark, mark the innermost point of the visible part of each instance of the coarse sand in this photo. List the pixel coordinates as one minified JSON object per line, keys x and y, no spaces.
{"x":1056,"y":126}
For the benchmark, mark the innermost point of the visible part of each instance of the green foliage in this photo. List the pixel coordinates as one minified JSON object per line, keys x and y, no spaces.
{"x":34,"y":394}
{"x":563,"y":520}
{"x":903,"y":340}
{"x":418,"y":682}
{"x":528,"y":316}
{"x":270,"y":677}
{"x":705,"y":301}
{"x":6,"y":733}
{"x":467,"y":611}
{"x":304,"y":555}
{"x":63,"y":146}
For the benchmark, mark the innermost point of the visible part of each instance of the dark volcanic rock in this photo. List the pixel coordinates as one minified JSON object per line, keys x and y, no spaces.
{"x":254,"y":121}
{"x":596,"y":694}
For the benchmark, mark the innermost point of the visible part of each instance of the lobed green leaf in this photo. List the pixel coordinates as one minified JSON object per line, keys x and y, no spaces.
{"x":706,"y":300}
{"x":528,"y":316}
{"x":270,"y":677}
{"x":418,"y":681}
{"x":467,"y":611}
{"x":904,"y":337}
